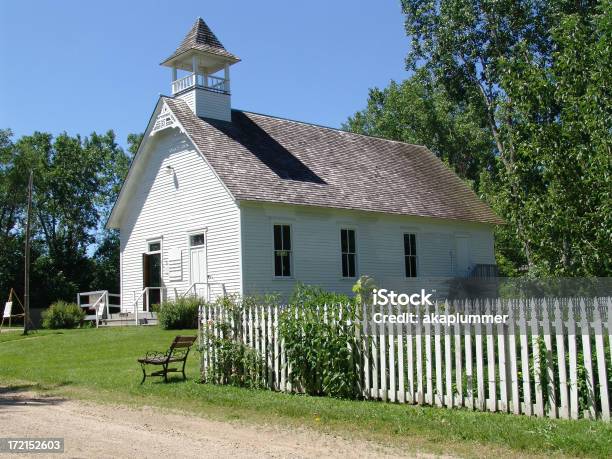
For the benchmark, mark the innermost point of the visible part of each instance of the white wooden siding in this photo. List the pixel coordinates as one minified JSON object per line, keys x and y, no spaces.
{"x":189,"y":97}
{"x":170,"y":206}
{"x":208,"y":104}
{"x":380,"y":250}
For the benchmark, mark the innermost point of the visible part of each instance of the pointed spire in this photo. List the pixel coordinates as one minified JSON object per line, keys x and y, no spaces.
{"x":201,"y":38}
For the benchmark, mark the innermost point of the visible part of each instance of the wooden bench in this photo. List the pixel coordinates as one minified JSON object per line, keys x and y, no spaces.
{"x":178,"y":352}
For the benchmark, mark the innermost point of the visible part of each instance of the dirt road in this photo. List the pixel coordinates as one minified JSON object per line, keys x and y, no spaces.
{"x":92,"y":430}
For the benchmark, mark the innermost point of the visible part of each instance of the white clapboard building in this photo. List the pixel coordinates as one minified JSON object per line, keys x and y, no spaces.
{"x":224,"y":200}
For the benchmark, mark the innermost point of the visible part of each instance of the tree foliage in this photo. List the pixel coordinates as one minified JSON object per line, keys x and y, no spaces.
{"x":517,"y":101}
{"x":76,"y":180}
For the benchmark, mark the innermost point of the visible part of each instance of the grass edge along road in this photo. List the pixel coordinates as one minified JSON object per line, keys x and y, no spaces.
{"x":100,"y":365}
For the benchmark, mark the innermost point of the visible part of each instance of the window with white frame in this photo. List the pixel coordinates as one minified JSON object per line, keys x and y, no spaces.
{"x":196,"y":240}
{"x":349,"y":252}
{"x":282,"y":250}
{"x":410,"y":255}
{"x":154,"y":246}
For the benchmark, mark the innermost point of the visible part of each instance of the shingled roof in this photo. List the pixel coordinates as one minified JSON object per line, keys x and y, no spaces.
{"x":263,"y":158}
{"x":200,"y":37}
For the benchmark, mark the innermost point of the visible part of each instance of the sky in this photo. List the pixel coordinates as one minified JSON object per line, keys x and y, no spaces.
{"x":80,"y":67}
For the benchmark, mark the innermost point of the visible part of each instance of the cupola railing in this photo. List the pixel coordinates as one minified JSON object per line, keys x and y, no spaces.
{"x":208,"y":82}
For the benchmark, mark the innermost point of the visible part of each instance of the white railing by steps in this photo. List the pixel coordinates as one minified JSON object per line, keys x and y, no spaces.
{"x":98,"y":306}
{"x":103,"y":298}
{"x":145,"y":293}
{"x":101,"y":304}
{"x":192,"y":290}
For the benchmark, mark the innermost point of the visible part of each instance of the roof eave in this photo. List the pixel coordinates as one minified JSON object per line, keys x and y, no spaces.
{"x":493,"y":221}
{"x":230,"y":59}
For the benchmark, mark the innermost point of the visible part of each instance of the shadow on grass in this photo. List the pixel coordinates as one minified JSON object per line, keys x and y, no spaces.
{"x":159,"y":381}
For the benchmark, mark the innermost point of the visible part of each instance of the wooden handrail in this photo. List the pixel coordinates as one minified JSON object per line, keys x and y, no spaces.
{"x":145,"y":291}
{"x":208,"y":285}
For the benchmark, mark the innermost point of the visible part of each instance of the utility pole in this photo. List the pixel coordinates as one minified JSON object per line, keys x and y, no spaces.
{"x":26,"y":289}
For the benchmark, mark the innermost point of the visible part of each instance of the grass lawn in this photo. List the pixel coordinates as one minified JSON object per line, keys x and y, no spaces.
{"x":100,"y":365}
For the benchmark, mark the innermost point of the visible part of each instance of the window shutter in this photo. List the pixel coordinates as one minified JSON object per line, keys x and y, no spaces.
{"x":175,"y":264}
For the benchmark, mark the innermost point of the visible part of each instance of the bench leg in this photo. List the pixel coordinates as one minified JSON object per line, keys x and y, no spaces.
{"x":144,"y":374}
{"x":166,"y":373}
{"x":183,"y":370}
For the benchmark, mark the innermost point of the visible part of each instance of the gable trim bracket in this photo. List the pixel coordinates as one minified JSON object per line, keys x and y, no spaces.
{"x":165,"y":120}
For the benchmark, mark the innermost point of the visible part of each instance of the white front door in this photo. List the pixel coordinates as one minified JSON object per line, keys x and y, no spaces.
{"x":463,"y":255}
{"x":199,"y":272}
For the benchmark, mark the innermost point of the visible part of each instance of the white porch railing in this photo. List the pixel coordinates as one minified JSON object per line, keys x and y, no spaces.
{"x":208,"y":286}
{"x":100,"y":305}
{"x":145,"y":296}
{"x":212,"y":83}
{"x":102,"y":298}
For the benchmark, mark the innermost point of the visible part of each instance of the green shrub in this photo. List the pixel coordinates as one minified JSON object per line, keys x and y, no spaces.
{"x":63,"y":315}
{"x":178,"y":314}
{"x":320,"y":330}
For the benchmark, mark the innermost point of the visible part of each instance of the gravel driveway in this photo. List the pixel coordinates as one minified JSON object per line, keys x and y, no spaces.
{"x":95,"y":430}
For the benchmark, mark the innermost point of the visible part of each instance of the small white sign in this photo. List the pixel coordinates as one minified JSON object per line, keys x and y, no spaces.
{"x":8,"y":307}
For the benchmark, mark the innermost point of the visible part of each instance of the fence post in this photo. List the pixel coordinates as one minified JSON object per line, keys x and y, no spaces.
{"x":479,"y":365}
{"x":410,"y":358}
{"x":391,"y":339}
{"x":588,"y":360}
{"x":276,"y":349}
{"x":448,"y":362}
{"x":516,"y":401}
{"x":366,"y":351}
{"x":383,"y":361}
{"x":469,"y":366}
{"x":419,"y":361}
{"x":572,"y":351}
{"x":601,"y":365}
{"x":458,"y":359}
{"x":550,"y":373}
{"x":528,"y":410}
{"x":200,"y":337}
{"x":283,"y":365}
{"x":257,"y":339}
{"x":438,"y":351}
{"x":107,"y":304}
{"x":428,"y":361}
{"x":491,"y":362}
{"x":560,"y":342}
{"x":400,"y":362}
{"x":270,"y":350}
{"x":502,"y":360}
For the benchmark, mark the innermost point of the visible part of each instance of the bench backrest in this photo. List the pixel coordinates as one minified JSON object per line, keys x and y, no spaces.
{"x":182,"y":342}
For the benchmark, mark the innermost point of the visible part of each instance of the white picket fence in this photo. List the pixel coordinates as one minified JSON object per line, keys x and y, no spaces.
{"x":551,"y":358}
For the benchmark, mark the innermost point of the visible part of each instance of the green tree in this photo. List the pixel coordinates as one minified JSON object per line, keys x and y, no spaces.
{"x":526,"y":83}
{"x":559,"y":117}
{"x":134,"y":141}
{"x":106,"y":259}
{"x":75,"y":182}
{"x":462,"y":44}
